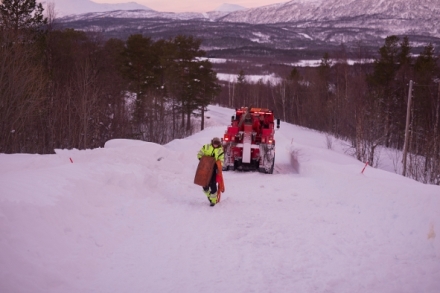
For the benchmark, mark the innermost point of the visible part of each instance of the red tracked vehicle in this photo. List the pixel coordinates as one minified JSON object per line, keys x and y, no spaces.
{"x":249,"y":142}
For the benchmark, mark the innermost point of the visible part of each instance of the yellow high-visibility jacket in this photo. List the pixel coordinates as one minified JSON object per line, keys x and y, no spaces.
{"x":209,"y":150}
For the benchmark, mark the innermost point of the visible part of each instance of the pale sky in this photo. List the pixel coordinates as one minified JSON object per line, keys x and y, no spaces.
{"x":193,"y":5}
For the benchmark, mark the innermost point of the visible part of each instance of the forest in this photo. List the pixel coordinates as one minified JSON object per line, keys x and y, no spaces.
{"x":72,"y":89}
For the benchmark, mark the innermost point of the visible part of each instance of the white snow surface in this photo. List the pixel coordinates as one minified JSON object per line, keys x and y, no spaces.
{"x":251,"y":78}
{"x":128,"y":218}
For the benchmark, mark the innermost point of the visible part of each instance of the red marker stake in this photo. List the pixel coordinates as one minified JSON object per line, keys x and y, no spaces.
{"x":366,"y":164}
{"x":71,"y":160}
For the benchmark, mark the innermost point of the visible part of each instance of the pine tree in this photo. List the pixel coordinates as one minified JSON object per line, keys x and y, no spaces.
{"x":21,"y":14}
{"x":187,"y":54}
{"x":22,"y":79}
{"x":241,"y":91}
{"x":140,"y":68}
{"x":425,"y":93}
{"x":206,"y":85}
{"x":384,"y":85}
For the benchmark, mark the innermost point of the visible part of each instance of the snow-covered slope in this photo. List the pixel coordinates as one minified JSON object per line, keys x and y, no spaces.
{"x":127,"y":218}
{"x":69,"y":7}
{"x":313,"y":10}
{"x":227,"y":7}
{"x":139,"y":13}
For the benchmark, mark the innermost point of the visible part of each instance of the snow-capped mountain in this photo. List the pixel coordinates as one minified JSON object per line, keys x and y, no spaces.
{"x":227,"y":7}
{"x":222,"y":11}
{"x":320,"y":10}
{"x":420,"y":17}
{"x":313,"y":25}
{"x":87,"y":9}
{"x":69,"y":7}
{"x":138,"y":14}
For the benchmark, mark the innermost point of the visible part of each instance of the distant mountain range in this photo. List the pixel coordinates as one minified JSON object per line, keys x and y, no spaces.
{"x":294,"y":25}
{"x":72,"y":7}
{"x":331,"y":10}
{"x":69,"y":7}
{"x":227,"y":7}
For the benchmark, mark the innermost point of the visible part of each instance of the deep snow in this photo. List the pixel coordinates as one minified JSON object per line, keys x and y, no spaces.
{"x":128,"y":218}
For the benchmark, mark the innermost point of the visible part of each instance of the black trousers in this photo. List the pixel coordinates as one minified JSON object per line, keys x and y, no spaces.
{"x":213,"y":182}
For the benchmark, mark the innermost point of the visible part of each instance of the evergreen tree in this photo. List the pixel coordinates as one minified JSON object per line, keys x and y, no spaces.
{"x":187,"y":54}
{"x":386,"y":66}
{"x":22,"y":79}
{"x":206,"y":86}
{"x":239,"y":98}
{"x":323,"y":96}
{"x":141,"y":66}
{"x":398,"y":104}
{"x":325,"y":63}
{"x":426,"y":91}
{"x":21,"y":14}
{"x":294,"y":81}
{"x":384,"y":87}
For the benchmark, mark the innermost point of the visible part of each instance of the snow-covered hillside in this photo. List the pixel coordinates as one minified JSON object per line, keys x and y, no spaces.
{"x":227,"y":7}
{"x":128,"y":218}
{"x":139,"y":13}
{"x":69,"y":7}
{"x":343,"y":10}
{"x":305,"y":25}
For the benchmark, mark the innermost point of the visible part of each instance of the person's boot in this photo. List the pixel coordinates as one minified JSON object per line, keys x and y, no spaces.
{"x":213,"y":199}
{"x":206,"y":192}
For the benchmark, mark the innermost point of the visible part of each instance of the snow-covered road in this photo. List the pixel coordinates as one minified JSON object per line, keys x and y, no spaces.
{"x":128,"y":218}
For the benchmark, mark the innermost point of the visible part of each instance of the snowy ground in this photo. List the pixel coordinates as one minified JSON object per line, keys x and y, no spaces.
{"x":250,"y":78}
{"x":127,"y":218}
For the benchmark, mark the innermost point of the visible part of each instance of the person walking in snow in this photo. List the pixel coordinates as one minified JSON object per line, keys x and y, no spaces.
{"x":214,"y":149}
